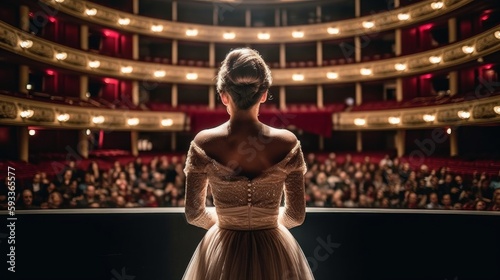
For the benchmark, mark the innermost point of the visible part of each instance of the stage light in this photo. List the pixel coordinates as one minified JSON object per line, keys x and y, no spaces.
{"x":435,"y":59}
{"x":333,"y":30}
{"x":133,"y":121}
{"x":61,"y":56}
{"x":91,"y":12}
{"x":429,"y":118}
{"x":365,"y":71}
{"x":463,"y":114}
{"x":437,"y":5}
{"x":191,"y":32}
{"x":26,"y":114}
{"x":264,"y":36}
{"x":229,"y":35}
{"x":368,"y":24}
{"x":94,"y":64}
{"x":98,"y":119}
{"x":400,"y":66}
{"x":297,"y":34}
{"x":297,"y":77}
{"x":31,"y":132}
{"x":359,"y":121}
{"x":403,"y":16}
{"x":63,"y":117}
{"x":167,"y":122}
{"x":157,"y":28}
{"x":127,"y":69}
{"x":332,"y":75}
{"x":497,"y":109}
{"x":468,"y":49}
{"x":160,"y":74}
{"x":394,"y":120}
{"x":26,"y":44}
{"x":124,"y":21}
{"x":191,"y":76}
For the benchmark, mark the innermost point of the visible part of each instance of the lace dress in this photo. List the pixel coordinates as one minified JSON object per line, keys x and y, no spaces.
{"x":248,"y":235}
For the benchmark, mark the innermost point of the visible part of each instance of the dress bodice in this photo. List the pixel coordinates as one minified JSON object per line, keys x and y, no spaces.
{"x":240,"y":202}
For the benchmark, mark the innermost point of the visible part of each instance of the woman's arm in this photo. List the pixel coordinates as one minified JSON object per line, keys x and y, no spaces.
{"x":195,"y":200}
{"x":294,"y":211}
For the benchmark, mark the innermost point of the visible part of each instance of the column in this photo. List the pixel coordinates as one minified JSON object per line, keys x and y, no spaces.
{"x":211,"y":97}
{"x":174,"y":10}
{"x":211,"y":54}
{"x":135,"y":93}
{"x":399,"y":141}
{"x":359,"y":93}
{"x":174,"y":95}
{"x":84,"y":37}
{"x":399,"y":89}
{"x":357,"y":49}
{"x":318,"y":14}
{"x":319,"y":96}
{"x":23,"y":143}
{"x":175,"y":53}
{"x":319,"y":53}
{"x":173,"y":141}
{"x":453,"y":82}
{"x":248,"y":18}
{"x":357,"y":8}
{"x":398,"y":42}
{"x":24,"y":18}
{"x":84,"y":87}
{"x":321,"y":144}
{"x":135,"y":7}
{"x":83,"y":143}
{"x":284,"y":18}
{"x":277,"y":17}
{"x":134,"y":137}
{"x":452,"y":37}
{"x":454,"y":143}
{"x":359,"y":141}
{"x":282,"y":98}
{"x":282,"y":55}
{"x":24,"y":76}
{"x":135,"y":47}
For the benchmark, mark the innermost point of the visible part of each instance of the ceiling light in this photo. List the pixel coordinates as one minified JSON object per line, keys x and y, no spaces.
{"x":160,"y":74}
{"x":332,"y":75}
{"x":368,"y":24}
{"x":61,"y":56}
{"x":365,"y":71}
{"x":435,"y":59}
{"x":98,"y":119}
{"x":497,"y":109}
{"x":191,"y":76}
{"x":463,"y":114}
{"x":31,"y":132}
{"x":359,"y":121}
{"x":394,"y":120}
{"x":63,"y":117}
{"x":229,"y":35}
{"x":333,"y":30}
{"x":437,"y":5}
{"x":124,"y":21}
{"x":157,"y":28}
{"x":127,"y":69}
{"x":133,"y":121}
{"x":497,"y":35}
{"x":26,"y":44}
{"x":429,"y":118}
{"x":297,"y":77}
{"x":264,"y":36}
{"x":403,"y":16}
{"x":468,"y":49}
{"x":26,"y":114}
{"x":167,"y":122}
{"x":297,"y":34}
{"x":91,"y":12}
{"x":400,"y":66}
{"x":191,"y":32}
{"x":94,"y":64}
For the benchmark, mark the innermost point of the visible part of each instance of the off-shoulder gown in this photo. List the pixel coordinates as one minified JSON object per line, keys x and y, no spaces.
{"x":248,"y":235}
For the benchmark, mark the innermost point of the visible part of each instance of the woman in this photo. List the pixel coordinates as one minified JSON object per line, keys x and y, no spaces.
{"x":246,"y":164}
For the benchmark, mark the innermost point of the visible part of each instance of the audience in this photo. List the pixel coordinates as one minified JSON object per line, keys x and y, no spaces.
{"x":389,"y":183}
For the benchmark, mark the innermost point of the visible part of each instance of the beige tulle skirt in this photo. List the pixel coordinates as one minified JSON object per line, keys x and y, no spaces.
{"x":267,"y":254}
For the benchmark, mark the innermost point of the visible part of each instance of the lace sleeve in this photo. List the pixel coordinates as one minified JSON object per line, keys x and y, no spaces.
{"x":294,"y":212}
{"x":196,"y":190}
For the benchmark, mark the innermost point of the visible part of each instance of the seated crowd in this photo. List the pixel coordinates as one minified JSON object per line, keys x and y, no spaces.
{"x":389,"y":183}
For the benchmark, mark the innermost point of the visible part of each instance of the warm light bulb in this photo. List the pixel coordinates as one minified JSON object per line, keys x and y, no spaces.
{"x":133,"y":121}
{"x":263,"y":36}
{"x":333,"y":30}
{"x":435,"y":59}
{"x":437,"y":5}
{"x":191,"y":76}
{"x":429,"y":117}
{"x":297,"y":34}
{"x":497,"y":35}
{"x":468,"y":49}
{"x":332,"y":75}
{"x":229,"y":35}
{"x":31,"y":132}
{"x":368,"y":24}
{"x":167,"y":122}
{"x":87,"y":132}
{"x":160,"y":74}
{"x":127,"y":69}
{"x":26,"y":114}
{"x":26,"y":44}
{"x":63,"y":117}
{"x":157,"y":28}
{"x":463,"y":114}
{"x":61,"y":56}
{"x":403,"y":16}
{"x":94,"y":64}
{"x":297,"y":77}
{"x":191,"y":32}
{"x":359,"y":122}
{"x":497,"y":109}
{"x":98,"y":119}
{"x":400,"y":66}
{"x":124,"y":21}
{"x":91,"y":12}
{"x":394,"y":120}
{"x":365,"y":71}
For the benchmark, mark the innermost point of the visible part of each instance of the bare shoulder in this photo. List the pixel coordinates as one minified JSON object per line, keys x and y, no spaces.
{"x":207,"y":136}
{"x":283,"y":137}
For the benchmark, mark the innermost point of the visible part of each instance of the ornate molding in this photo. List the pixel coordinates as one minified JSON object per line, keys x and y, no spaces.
{"x":481,"y":111}
{"x":105,"y":16}
{"x":44,"y":51}
{"x":45,"y":113}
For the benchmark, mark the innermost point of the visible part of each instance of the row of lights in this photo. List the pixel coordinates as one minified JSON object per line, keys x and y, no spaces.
{"x":262,"y":35}
{"x":64,"y":117}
